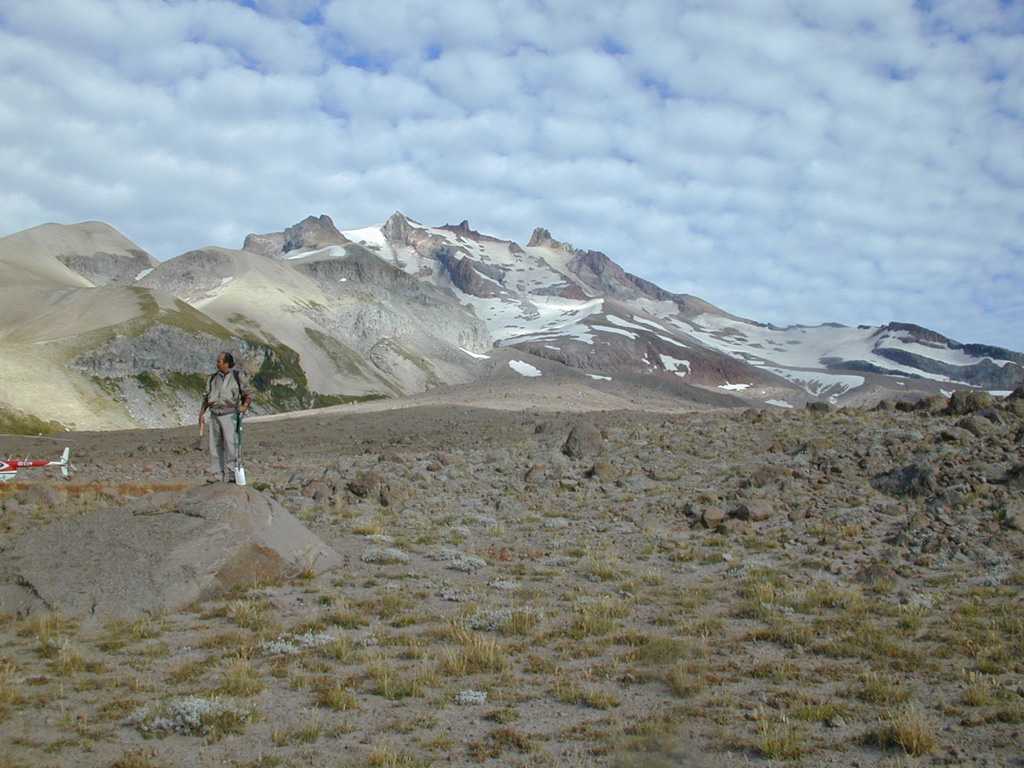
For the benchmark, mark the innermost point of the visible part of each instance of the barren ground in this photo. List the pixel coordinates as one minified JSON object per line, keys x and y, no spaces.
{"x":705,"y":588}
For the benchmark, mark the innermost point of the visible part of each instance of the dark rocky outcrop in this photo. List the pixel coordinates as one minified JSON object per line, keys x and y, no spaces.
{"x":109,"y":268}
{"x":914,"y":480}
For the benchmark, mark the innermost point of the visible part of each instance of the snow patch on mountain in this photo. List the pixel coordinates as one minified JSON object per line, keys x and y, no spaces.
{"x":369,"y":237}
{"x":330,"y":252}
{"x":546,"y":317}
{"x":818,"y":384}
{"x":802,"y":347}
{"x":523,"y":368}
{"x":678,"y":367}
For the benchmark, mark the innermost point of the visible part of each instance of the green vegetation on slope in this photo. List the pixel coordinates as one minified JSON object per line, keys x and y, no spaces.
{"x":14,"y":423}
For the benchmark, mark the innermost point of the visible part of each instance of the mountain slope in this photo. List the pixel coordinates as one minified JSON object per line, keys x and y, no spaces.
{"x":95,"y":334}
{"x":580,"y":308}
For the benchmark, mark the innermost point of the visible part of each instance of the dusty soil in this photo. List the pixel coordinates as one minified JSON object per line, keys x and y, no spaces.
{"x":702,"y":588}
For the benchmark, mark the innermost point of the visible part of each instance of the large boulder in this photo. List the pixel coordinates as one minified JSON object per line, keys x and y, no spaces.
{"x":967,"y":401}
{"x":169,"y":551}
{"x":584,"y":440}
{"x":915,"y":480}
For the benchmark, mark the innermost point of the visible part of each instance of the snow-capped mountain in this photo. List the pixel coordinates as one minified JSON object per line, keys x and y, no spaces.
{"x":322,"y":316}
{"x":581,"y":309}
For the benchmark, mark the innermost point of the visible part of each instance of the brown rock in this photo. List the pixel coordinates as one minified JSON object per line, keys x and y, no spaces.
{"x":754,"y":510}
{"x":767,"y":475}
{"x":394,"y":495}
{"x":931,"y":404}
{"x":535,"y":474}
{"x":876,"y":574}
{"x":712,"y":516}
{"x":734,"y":525}
{"x":366,"y":484}
{"x":605,"y":472}
{"x":317,"y":490}
{"x":584,"y":440}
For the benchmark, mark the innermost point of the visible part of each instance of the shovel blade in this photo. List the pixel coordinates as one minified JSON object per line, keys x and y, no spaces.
{"x":240,"y":476}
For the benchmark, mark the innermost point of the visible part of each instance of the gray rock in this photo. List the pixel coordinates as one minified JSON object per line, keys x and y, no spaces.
{"x":956,"y":435}
{"x":967,"y":401}
{"x":41,"y":494}
{"x":914,"y":480}
{"x":1015,"y":476}
{"x":1014,"y":521}
{"x":384,"y":556}
{"x":976,"y":425}
{"x":535,"y":474}
{"x":177,"y":549}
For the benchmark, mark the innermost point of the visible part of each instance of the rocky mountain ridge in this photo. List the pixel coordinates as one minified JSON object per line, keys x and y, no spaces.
{"x":111,"y":338}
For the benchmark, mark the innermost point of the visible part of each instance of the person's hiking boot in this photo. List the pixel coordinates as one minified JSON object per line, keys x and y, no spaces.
{"x":214,"y":479}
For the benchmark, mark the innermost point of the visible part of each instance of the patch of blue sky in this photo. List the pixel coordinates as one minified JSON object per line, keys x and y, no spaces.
{"x":898,"y":73}
{"x":659,"y":85}
{"x":308,"y":13}
{"x":613,"y":47}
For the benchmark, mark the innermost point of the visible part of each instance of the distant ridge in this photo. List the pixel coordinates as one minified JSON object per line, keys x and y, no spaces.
{"x":96,"y":334}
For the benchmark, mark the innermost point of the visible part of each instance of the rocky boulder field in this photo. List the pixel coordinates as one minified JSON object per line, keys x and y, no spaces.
{"x":444,"y":585}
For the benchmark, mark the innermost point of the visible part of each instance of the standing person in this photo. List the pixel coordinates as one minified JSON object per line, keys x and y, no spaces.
{"x":227,"y":395}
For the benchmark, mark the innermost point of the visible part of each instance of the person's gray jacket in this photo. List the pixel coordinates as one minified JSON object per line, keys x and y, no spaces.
{"x":226,"y":391}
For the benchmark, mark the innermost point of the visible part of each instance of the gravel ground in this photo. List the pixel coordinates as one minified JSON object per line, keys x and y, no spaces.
{"x":532,"y":587}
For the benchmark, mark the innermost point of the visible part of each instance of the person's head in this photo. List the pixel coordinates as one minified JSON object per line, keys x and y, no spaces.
{"x":225,"y":362}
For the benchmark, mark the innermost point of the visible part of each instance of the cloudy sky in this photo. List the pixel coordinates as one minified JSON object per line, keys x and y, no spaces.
{"x":791,"y":161}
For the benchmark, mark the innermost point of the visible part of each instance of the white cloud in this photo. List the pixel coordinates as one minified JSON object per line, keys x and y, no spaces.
{"x":789,"y":160}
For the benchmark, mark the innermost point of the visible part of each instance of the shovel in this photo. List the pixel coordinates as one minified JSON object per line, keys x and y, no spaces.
{"x":239,"y":469}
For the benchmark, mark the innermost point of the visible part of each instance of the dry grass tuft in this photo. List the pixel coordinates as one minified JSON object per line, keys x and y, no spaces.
{"x":907,"y":728}
{"x":586,"y":696}
{"x":392,"y":682}
{"x":331,"y":693}
{"x":473,"y":654}
{"x":240,"y":678}
{"x":779,"y":739}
